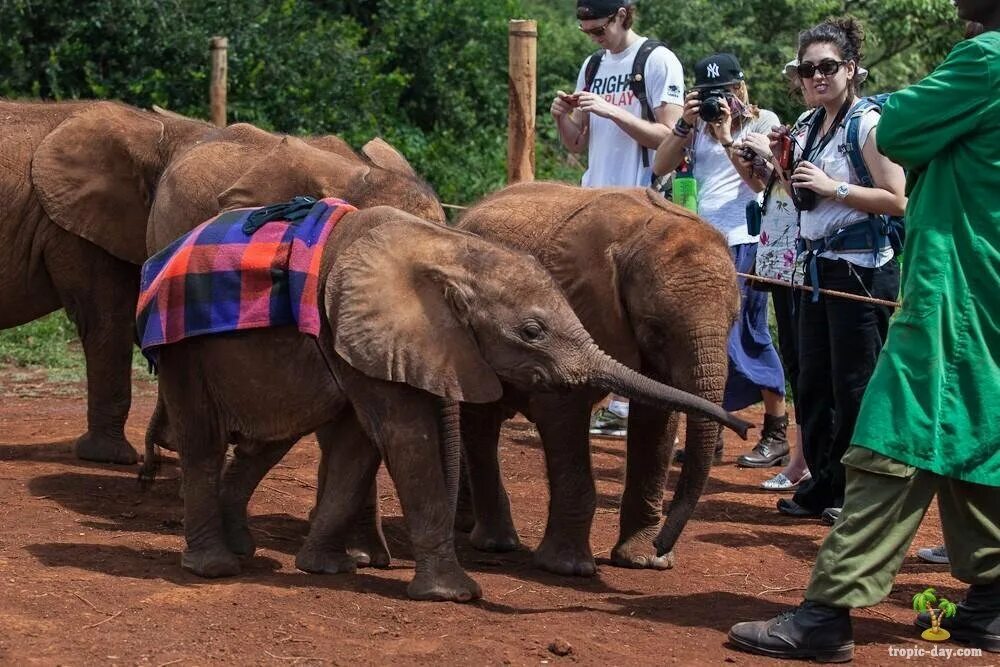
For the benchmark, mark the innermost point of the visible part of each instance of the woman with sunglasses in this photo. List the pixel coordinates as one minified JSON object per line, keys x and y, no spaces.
{"x":839,"y":340}
{"x":718,"y":116}
{"x":605,"y":119}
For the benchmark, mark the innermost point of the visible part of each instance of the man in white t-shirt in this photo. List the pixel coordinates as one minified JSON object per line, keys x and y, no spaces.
{"x":605,"y":118}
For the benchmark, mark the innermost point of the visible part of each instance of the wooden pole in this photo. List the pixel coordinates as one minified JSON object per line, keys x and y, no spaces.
{"x":522,"y":47}
{"x":829,"y":292}
{"x":217,"y":93}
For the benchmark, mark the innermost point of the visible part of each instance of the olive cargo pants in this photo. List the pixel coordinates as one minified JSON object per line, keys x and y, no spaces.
{"x":885,"y":503}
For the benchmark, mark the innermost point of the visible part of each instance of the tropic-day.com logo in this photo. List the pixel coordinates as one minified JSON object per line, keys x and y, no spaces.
{"x":944,"y":652}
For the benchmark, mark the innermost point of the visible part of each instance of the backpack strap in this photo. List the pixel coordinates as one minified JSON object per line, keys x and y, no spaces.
{"x":590,"y":71}
{"x":637,"y":82}
{"x":853,"y":133}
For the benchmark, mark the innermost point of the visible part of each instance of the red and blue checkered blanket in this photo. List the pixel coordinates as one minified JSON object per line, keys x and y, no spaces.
{"x":244,"y":269}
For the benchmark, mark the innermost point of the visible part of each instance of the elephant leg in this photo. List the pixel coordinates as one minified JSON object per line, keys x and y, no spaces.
{"x":352,"y":463}
{"x":365,"y":541}
{"x":563,"y":423}
{"x":248,"y":466}
{"x":650,"y":445}
{"x":207,"y":554}
{"x":99,"y":293}
{"x":404,"y":423}
{"x":493,"y":529}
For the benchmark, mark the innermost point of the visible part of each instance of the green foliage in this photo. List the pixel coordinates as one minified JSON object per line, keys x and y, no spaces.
{"x":49,"y":341}
{"x":427,"y":75}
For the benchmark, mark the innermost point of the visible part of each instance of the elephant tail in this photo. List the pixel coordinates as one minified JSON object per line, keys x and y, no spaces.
{"x":154,"y":432}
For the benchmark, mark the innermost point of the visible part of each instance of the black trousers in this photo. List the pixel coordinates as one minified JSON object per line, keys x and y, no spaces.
{"x":839,"y":344}
{"x":786,"y":310}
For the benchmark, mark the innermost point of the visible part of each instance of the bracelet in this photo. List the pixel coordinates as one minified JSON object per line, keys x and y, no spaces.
{"x":727,"y":146}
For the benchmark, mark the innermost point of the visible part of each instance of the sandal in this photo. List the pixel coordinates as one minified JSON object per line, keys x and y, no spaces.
{"x":781,"y":483}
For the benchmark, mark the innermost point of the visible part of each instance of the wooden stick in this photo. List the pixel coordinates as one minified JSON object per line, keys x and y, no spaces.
{"x":217,"y":92}
{"x":522,"y":49}
{"x":827,"y":292}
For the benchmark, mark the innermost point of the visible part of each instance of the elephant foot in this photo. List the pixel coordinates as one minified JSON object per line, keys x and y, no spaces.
{"x":369,"y":553}
{"x":211,"y":563}
{"x":450,"y":585}
{"x":325,"y":562}
{"x":105,"y":449}
{"x":239,"y":539}
{"x":565,"y":558}
{"x":638,"y":553}
{"x":496,"y":540}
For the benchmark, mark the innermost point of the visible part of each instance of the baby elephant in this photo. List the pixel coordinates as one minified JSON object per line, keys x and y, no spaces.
{"x":414,"y":317}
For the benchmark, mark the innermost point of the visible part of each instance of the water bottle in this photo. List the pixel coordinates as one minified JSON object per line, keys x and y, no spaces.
{"x":686,"y":187}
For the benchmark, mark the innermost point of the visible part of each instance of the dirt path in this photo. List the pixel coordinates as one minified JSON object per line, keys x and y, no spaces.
{"x":89,"y":569}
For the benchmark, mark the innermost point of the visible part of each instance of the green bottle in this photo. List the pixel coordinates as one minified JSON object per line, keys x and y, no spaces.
{"x":685,"y":188}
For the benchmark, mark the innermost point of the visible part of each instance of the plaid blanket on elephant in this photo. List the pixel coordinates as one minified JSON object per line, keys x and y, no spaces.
{"x":244,"y":269}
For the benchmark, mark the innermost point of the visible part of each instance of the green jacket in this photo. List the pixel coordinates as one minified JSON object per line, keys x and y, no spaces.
{"x":934,"y":400}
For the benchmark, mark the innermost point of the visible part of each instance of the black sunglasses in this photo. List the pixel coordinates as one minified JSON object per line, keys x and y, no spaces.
{"x":599,"y":30}
{"x":826,"y":67}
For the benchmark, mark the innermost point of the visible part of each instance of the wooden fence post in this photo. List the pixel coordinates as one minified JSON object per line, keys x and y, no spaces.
{"x":217,"y":93}
{"x":522,"y":47}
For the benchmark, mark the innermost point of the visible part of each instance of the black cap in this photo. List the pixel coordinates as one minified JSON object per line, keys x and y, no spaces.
{"x":598,"y":9}
{"x":722,"y":69}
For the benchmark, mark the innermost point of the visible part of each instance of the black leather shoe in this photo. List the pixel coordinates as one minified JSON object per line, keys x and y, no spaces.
{"x":813,"y":631}
{"x":977,"y":620}
{"x":830,"y":515}
{"x":789,"y":507}
{"x":773,"y":447}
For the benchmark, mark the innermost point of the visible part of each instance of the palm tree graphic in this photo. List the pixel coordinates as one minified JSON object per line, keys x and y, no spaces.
{"x":938,"y":608}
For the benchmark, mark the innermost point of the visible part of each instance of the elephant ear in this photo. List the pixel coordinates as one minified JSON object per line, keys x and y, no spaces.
{"x":95,"y":175}
{"x":385,"y":156}
{"x":291,"y":168}
{"x":398,"y":298}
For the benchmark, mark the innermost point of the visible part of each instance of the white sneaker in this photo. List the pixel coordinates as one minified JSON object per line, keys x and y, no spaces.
{"x":933,"y":554}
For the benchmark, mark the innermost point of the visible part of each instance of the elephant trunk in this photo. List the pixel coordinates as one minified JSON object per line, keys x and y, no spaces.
{"x":451,"y":451}
{"x":620,"y":379}
{"x":701,"y":437}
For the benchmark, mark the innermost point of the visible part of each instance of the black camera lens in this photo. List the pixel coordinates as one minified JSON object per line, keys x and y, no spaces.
{"x":711,"y":109}
{"x":804,"y":200}
{"x":711,"y":104}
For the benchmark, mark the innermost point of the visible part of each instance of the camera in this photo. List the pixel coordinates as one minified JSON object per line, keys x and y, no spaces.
{"x":804,"y":200}
{"x":711,"y":103}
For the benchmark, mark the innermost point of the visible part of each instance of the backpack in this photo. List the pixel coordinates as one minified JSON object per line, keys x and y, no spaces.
{"x":892,"y":226}
{"x":636,"y":81}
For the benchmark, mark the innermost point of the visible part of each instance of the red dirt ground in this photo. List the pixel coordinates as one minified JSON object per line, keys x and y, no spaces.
{"x":90,"y":573}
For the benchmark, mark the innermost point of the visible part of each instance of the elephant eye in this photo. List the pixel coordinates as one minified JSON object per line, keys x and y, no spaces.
{"x":532,"y":332}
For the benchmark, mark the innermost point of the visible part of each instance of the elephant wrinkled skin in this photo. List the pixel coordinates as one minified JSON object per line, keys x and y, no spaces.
{"x":656,"y":288}
{"x":416,"y":318}
{"x":84,"y":185}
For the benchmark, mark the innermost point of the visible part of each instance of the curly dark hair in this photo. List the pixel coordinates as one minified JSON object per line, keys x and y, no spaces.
{"x":845,"y":33}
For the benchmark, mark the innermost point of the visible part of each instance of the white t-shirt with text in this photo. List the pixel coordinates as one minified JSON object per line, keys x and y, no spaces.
{"x":613,"y":157}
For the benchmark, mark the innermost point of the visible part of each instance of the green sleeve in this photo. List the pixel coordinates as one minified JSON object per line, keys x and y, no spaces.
{"x":921,"y":121}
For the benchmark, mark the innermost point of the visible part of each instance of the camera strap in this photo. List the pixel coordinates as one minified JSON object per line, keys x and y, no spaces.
{"x":807,"y":151}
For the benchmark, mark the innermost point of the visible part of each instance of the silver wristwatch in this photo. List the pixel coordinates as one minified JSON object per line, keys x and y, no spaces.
{"x":842,"y":191}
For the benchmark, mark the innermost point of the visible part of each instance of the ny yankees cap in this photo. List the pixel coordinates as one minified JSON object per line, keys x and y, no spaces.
{"x":721,"y":69}
{"x":598,"y":9}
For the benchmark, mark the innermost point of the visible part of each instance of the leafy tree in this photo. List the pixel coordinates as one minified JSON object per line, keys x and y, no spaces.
{"x":429,"y":76}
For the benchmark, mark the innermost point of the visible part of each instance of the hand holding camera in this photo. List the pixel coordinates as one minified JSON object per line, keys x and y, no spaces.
{"x":808,"y":178}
